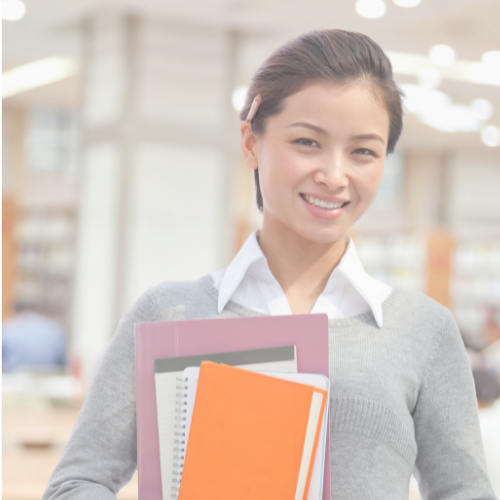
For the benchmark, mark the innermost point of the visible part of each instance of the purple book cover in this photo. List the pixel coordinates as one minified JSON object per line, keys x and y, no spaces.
{"x":170,"y":339}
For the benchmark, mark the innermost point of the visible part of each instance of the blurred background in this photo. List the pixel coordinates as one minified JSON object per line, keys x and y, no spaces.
{"x":121,"y":169}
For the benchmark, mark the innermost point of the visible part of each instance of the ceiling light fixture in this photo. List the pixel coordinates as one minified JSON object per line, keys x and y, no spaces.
{"x":482,"y":108}
{"x":371,"y":9}
{"x":490,"y":135}
{"x":429,"y":77}
{"x":407,"y":3}
{"x":442,"y":55}
{"x":436,"y":109}
{"x":404,"y":63}
{"x":485,"y":72}
{"x":36,"y":74}
{"x":13,"y":10}
{"x":491,"y":58}
{"x":239,"y":97}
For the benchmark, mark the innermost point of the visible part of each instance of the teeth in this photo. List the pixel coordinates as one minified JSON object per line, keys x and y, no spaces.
{"x":322,"y":204}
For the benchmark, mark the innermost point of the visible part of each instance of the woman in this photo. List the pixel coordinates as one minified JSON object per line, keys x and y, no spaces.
{"x":322,"y":114}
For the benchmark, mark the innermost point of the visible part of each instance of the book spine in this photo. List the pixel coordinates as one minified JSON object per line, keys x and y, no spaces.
{"x":179,"y":450}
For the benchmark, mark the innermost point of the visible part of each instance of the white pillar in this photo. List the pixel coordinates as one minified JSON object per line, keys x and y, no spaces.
{"x":158,"y":155}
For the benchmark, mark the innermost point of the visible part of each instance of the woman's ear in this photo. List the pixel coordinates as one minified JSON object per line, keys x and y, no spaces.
{"x":249,"y":145}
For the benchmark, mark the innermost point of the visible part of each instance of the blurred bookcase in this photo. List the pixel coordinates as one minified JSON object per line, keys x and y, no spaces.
{"x":9,"y":253}
{"x":461,"y":273}
{"x":44,"y":263}
{"x":397,"y":259}
{"x":475,"y":283}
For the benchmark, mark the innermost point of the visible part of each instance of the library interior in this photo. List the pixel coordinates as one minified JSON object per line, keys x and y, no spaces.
{"x":122,"y":169}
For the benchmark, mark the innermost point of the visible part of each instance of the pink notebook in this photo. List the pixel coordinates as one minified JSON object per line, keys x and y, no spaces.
{"x":169,"y":339}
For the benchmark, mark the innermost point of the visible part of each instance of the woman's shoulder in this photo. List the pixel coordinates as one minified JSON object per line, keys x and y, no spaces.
{"x":415,"y":299}
{"x":417,"y":310}
{"x":426,"y":328}
{"x":173,"y":300}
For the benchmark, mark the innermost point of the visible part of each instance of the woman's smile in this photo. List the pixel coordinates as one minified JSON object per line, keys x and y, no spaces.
{"x":322,"y":208}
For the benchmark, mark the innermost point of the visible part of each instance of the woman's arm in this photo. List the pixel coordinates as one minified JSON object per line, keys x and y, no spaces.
{"x":101,"y":454}
{"x":450,"y":462}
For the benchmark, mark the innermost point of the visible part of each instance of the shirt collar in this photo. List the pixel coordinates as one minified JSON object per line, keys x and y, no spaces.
{"x":249,"y":253}
{"x":371,"y":290}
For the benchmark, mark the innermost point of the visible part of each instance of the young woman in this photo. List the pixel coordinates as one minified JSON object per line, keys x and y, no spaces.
{"x":322,"y":114}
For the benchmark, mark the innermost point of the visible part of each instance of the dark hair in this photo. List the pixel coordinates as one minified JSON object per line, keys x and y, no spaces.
{"x":334,"y":55}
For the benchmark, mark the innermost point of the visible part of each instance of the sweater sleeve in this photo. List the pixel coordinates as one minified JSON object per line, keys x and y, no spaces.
{"x":101,"y":454}
{"x":450,"y":460}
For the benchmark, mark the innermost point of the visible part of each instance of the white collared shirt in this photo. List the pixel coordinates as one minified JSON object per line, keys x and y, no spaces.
{"x":248,"y":281}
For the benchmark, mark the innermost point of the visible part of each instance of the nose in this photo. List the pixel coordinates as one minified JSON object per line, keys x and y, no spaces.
{"x":333,"y":173}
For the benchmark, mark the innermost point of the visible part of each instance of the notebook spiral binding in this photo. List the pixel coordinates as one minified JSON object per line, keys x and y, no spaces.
{"x":180,"y":427}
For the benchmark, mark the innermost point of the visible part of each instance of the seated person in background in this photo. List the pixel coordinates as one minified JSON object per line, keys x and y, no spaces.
{"x":32,"y":342}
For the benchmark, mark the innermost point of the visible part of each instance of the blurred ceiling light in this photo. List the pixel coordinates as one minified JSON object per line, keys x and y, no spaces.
{"x":436,"y":109}
{"x":239,"y":96}
{"x":451,"y":118}
{"x":489,"y":68}
{"x":420,"y":100}
{"x":491,"y":58}
{"x":485,"y":73}
{"x":371,"y":9}
{"x":442,"y":55}
{"x":36,"y":74}
{"x":464,"y":71}
{"x":490,"y":135}
{"x":429,"y":77}
{"x":13,"y":10}
{"x":482,"y":108}
{"x":407,"y":3}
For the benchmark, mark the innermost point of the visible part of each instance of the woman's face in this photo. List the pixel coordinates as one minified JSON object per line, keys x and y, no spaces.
{"x":321,"y":159}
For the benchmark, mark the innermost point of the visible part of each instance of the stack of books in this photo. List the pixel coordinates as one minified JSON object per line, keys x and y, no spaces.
{"x":248,"y":423}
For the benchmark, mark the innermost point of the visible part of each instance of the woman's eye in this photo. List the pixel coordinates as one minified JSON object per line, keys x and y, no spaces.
{"x":306,"y":142}
{"x":365,"y":152}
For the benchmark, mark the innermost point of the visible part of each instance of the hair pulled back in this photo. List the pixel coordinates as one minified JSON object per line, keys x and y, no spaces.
{"x":335,"y":56}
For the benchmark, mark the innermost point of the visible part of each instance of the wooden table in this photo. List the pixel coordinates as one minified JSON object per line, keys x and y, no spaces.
{"x":26,"y":472}
{"x":26,"y":468}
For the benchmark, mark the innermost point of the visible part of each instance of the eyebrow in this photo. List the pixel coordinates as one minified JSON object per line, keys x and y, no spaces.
{"x":370,"y":137}
{"x":319,"y":130}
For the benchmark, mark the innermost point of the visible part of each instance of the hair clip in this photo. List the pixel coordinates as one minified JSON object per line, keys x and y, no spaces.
{"x":254,"y":108}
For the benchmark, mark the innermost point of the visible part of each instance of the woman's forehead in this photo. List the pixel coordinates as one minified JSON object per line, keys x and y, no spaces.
{"x":326,"y":105}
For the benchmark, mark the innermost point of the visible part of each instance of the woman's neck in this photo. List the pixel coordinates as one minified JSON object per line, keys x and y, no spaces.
{"x":301,"y":267}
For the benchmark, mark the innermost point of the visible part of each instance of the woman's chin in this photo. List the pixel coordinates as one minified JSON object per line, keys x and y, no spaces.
{"x":321,"y":236}
{"x":316,"y":231}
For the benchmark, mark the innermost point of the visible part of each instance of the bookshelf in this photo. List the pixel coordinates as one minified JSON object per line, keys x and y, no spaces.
{"x":45,"y":260}
{"x":475,"y":283}
{"x":462,"y":273}
{"x":397,"y":259}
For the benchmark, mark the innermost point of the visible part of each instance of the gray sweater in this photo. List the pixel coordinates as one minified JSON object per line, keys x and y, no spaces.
{"x":402,"y":401}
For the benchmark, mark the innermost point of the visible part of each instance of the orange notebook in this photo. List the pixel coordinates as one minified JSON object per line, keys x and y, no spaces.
{"x":252,"y":436}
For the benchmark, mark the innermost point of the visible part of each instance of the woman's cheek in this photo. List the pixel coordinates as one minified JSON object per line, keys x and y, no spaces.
{"x":368,"y":185}
{"x":286,"y":172}
{"x":375,"y":176}
{"x":274,"y":182}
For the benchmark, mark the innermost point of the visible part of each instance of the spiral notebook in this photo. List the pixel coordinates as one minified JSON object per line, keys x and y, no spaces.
{"x":168,"y":378}
{"x":187,"y":386}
